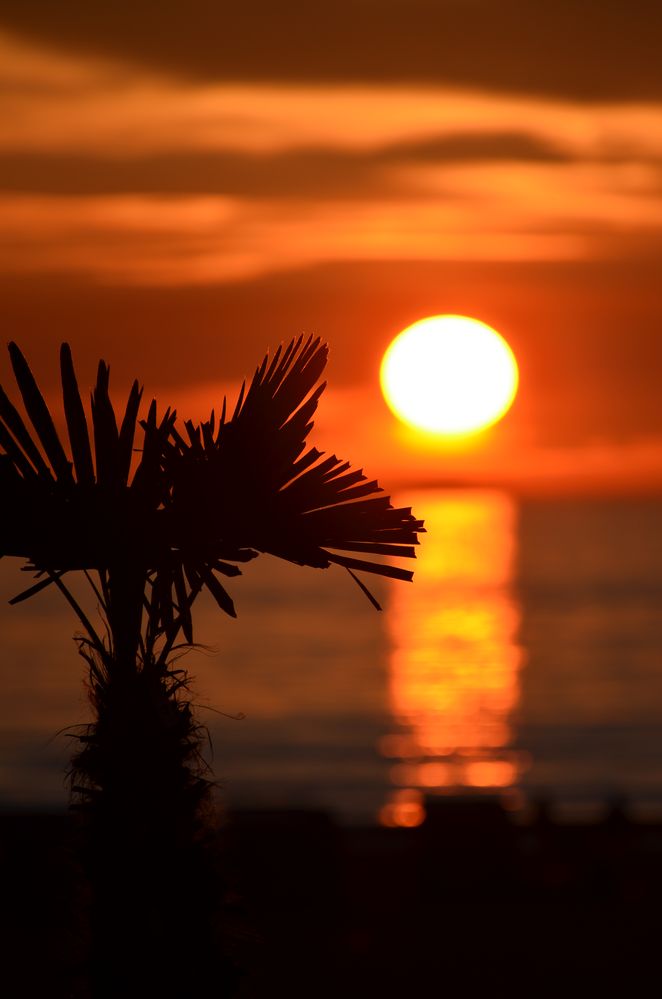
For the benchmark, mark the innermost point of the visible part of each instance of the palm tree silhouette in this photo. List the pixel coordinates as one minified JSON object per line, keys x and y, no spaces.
{"x":149,"y":528}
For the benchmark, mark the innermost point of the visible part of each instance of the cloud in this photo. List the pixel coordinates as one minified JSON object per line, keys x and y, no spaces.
{"x":56,"y":103}
{"x":197,"y":240}
{"x":122,"y":176}
{"x":297,"y":173}
{"x":271,"y":220}
{"x":594,"y":50}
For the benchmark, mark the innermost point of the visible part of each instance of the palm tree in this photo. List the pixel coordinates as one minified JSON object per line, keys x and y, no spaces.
{"x":149,"y":529}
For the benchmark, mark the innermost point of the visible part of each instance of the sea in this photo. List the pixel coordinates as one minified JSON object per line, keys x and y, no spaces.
{"x":524,"y":661}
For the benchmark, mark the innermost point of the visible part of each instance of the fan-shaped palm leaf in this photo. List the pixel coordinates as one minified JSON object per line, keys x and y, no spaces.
{"x":248,"y":484}
{"x":196,"y":506}
{"x":61,"y":514}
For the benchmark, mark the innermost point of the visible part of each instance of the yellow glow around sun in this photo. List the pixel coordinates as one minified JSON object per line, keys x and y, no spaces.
{"x":449,"y":375}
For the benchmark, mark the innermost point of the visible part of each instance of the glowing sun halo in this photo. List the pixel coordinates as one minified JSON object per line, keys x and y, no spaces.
{"x":449,"y":375}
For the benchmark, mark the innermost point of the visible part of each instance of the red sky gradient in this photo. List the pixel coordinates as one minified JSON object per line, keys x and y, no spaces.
{"x":181,"y":190}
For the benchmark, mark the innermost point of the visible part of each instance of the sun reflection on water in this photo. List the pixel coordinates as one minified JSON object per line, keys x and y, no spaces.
{"x":454,"y":660}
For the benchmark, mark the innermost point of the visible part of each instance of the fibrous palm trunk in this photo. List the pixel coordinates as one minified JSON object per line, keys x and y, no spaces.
{"x":155,"y":890}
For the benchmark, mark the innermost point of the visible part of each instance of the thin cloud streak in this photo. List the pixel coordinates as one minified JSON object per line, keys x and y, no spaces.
{"x":83,"y":107}
{"x":148,"y":117}
{"x":481,"y":212}
{"x":192,"y":240}
{"x":297,"y":173}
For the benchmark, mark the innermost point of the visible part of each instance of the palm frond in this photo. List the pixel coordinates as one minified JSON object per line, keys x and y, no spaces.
{"x":253,"y":485}
{"x":40,"y":416}
{"x":62,"y":513}
{"x":199,"y":503}
{"x":127,"y":433}
{"x":13,"y":425}
{"x":76,"y":420}
{"x":106,"y":436}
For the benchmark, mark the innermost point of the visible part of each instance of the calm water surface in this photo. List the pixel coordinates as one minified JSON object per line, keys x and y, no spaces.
{"x":526,"y":657}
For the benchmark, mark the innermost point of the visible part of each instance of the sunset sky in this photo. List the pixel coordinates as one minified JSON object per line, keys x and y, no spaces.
{"x":183,"y":186}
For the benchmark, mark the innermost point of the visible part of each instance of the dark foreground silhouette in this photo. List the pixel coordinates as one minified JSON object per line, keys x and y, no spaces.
{"x":470,"y":903}
{"x":150,"y":513}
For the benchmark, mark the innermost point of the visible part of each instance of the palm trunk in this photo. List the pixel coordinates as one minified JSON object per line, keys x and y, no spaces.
{"x":154,"y":889}
{"x":126,"y":590}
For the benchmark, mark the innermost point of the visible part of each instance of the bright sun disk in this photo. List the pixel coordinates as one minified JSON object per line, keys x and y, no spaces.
{"x":449,"y":375}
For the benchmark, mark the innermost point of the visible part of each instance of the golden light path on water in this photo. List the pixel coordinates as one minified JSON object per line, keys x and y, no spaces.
{"x":455,"y":659}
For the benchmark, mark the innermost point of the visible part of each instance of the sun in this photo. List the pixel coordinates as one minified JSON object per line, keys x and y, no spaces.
{"x":449,"y":375}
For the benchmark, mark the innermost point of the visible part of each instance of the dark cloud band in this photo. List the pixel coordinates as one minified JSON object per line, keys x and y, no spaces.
{"x":589,"y":50}
{"x":302,"y":173}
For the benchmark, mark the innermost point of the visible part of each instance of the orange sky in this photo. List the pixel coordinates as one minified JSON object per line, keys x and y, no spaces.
{"x":181,"y":200}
